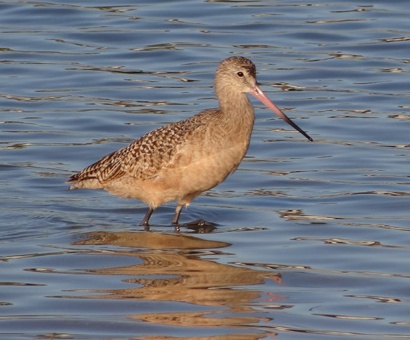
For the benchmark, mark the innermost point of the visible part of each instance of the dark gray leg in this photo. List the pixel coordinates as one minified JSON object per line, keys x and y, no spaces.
{"x":177,"y":213}
{"x":146,"y":218}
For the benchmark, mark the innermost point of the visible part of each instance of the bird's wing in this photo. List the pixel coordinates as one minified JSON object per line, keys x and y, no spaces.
{"x":106,"y":169}
{"x":145,"y":157}
{"x":148,"y":156}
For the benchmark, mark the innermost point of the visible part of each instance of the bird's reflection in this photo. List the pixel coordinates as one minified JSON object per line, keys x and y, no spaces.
{"x":177,"y":268}
{"x":197,"y":227}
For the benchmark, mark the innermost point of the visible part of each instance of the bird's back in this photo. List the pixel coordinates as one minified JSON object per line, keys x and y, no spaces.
{"x":145,"y":157}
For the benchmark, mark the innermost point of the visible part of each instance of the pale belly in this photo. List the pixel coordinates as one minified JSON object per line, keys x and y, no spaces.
{"x":191,"y":174}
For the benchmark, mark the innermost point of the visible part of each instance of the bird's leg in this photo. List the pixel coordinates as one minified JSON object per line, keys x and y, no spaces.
{"x":176,"y":215}
{"x":146,"y":218}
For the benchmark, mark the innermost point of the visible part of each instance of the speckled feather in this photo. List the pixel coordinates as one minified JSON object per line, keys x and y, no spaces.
{"x":146,"y":156}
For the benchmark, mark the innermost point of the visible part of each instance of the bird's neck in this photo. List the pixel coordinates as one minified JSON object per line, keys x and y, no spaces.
{"x":237,"y":115}
{"x":236,"y":107}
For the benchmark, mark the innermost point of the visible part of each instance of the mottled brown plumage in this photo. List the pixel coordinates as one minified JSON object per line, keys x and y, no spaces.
{"x":181,"y":160}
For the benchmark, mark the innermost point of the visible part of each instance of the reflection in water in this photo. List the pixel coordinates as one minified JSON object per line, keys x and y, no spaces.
{"x":198,"y":227}
{"x":173,"y":269}
{"x":297,"y":214}
{"x":215,"y":337}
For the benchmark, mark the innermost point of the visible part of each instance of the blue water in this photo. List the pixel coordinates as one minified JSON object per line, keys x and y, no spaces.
{"x":311,"y":239}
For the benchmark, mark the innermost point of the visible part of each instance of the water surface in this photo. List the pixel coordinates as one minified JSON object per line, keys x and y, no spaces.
{"x":311,"y":239}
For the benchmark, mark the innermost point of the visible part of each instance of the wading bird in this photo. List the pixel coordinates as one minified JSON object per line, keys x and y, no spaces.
{"x":181,"y":160}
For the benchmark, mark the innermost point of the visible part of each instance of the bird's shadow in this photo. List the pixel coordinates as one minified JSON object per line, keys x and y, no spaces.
{"x":197,"y":227}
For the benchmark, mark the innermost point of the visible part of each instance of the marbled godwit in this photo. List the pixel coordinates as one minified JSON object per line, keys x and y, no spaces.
{"x":179,"y":161}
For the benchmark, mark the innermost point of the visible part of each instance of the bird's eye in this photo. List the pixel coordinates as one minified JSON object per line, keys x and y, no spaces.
{"x":240,"y":74}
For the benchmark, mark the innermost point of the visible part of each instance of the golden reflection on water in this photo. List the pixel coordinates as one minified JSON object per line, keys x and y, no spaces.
{"x":215,"y":337}
{"x":174,"y":268}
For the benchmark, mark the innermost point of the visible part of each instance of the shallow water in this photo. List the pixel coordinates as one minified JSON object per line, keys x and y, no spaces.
{"x":311,"y":240}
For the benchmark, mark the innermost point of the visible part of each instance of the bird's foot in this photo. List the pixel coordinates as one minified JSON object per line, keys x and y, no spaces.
{"x":200,"y":226}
